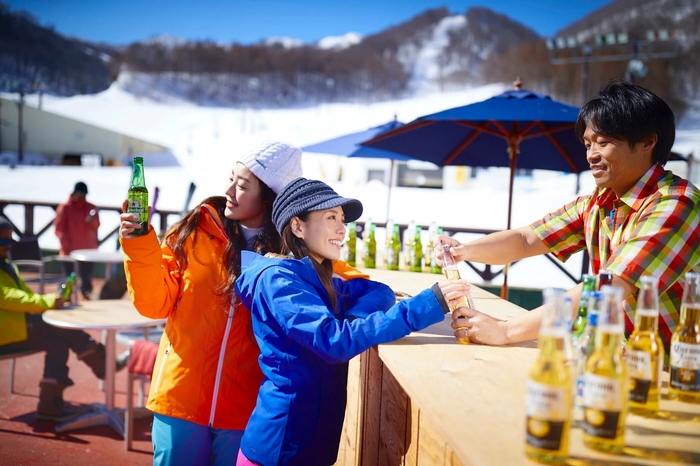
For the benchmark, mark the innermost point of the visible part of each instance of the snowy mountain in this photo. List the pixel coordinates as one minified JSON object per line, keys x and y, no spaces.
{"x":435,"y":50}
{"x":339,"y":42}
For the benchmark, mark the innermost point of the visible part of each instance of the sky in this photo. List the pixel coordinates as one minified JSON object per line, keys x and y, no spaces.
{"x":125,"y":21}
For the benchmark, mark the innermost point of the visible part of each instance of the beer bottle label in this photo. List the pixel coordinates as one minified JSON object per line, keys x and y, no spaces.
{"x":639,"y":367}
{"x":138,"y":204}
{"x":547,"y":411}
{"x":685,"y":366}
{"x":602,"y":403}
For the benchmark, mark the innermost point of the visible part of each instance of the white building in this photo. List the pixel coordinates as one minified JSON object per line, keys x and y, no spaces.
{"x":49,"y":138}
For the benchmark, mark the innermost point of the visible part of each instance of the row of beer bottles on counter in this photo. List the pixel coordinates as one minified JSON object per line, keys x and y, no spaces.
{"x":408,"y":254}
{"x":608,"y":383}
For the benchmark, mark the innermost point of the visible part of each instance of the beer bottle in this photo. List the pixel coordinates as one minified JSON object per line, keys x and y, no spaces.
{"x":138,"y":198}
{"x":579,"y":324}
{"x":645,"y":351}
{"x":352,"y":244}
{"x":548,"y":396}
{"x":434,"y":267}
{"x":428,"y":251}
{"x":66,"y":288}
{"x":389,"y":229}
{"x":452,"y":273}
{"x":685,"y":345}
{"x":416,"y":252}
{"x":409,"y":235}
{"x":605,"y":277}
{"x":584,"y":348}
{"x":605,"y":380}
{"x":370,"y":247}
{"x":394,"y":249}
{"x":568,"y":343}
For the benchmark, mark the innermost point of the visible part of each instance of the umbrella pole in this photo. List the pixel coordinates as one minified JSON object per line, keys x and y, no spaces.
{"x":391,"y":186}
{"x":513,"y":156}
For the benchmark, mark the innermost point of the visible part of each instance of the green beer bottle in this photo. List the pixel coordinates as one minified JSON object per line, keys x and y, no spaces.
{"x":416,"y":252}
{"x":579,"y":324}
{"x":394,"y":250}
{"x":352,"y":244}
{"x":370,"y":248}
{"x":138,"y":198}
{"x":66,"y":288}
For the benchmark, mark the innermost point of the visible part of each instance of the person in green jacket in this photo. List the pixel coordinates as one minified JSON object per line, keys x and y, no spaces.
{"x":22,"y":329}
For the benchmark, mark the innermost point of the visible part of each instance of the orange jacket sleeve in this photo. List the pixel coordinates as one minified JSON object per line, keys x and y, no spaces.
{"x":152,"y":275}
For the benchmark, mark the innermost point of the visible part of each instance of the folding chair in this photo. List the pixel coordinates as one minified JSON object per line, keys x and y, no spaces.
{"x":141,"y":362}
{"x":12,"y":357}
{"x":26,"y":253}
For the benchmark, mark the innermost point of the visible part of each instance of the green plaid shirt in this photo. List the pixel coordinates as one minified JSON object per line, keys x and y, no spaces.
{"x":654,"y":229}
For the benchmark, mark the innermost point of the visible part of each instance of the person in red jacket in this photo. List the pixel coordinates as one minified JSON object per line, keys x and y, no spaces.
{"x":76,"y":226}
{"x":206,"y":376}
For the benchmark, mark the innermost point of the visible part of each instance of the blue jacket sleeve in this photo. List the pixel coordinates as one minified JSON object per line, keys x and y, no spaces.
{"x":305,"y":318}
{"x":361,"y":297}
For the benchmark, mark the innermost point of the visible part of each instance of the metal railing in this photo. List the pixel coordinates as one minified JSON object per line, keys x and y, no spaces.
{"x":30,"y":227}
{"x":487,"y":273}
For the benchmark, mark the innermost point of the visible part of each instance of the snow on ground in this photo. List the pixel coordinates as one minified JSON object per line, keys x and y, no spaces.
{"x":207,"y":141}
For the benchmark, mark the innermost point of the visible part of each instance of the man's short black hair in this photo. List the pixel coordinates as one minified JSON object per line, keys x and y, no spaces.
{"x":625,"y":111}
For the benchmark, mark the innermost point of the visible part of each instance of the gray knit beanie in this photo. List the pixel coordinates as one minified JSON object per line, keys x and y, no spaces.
{"x":274,"y":163}
{"x":302,"y":195}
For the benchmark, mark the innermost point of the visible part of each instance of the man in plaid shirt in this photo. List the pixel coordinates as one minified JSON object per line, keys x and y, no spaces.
{"x":640,"y":219}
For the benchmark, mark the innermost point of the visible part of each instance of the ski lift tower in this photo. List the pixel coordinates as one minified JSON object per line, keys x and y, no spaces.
{"x":657,"y":44}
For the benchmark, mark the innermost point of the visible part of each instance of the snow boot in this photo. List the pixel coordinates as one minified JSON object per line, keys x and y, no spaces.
{"x":51,"y":407}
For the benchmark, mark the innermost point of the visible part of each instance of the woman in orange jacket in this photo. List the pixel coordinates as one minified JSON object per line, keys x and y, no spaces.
{"x":206,"y":376}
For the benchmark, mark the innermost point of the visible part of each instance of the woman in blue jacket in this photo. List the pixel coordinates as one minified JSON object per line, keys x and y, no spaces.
{"x":309,"y":324}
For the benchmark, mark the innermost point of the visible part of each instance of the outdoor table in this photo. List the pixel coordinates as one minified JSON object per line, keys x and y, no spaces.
{"x":103,"y":257}
{"x":427,"y":399}
{"x":109,"y":315}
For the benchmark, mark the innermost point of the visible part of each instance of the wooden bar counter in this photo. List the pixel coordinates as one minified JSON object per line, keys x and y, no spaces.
{"x":429,"y":400}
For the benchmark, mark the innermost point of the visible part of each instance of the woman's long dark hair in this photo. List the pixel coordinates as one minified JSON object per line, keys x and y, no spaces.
{"x":296,"y":246}
{"x":268,"y":240}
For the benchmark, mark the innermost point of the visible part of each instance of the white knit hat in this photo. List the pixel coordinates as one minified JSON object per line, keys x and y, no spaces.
{"x":274,"y":163}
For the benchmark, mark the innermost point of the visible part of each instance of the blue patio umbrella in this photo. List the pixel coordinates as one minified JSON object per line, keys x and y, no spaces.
{"x":349,"y":146}
{"x":516,"y":129}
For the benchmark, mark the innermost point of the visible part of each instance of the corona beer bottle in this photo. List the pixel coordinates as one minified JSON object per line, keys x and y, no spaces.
{"x":644,"y":353}
{"x":409,"y":235}
{"x":548,"y":398}
{"x":434,"y":267}
{"x":605,"y":380}
{"x":138,"y":198}
{"x":452,"y":273}
{"x":685,"y":345}
{"x":388,"y":229}
{"x":584,"y":348}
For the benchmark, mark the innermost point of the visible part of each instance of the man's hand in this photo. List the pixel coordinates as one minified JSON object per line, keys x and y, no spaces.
{"x":480,"y":327}
{"x":456,"y":248}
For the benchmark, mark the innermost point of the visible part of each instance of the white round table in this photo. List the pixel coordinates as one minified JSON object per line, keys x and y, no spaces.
{"x":108,"y":315}
{"x":103,"y":257}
